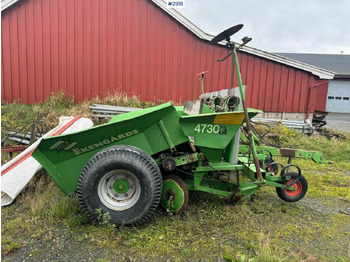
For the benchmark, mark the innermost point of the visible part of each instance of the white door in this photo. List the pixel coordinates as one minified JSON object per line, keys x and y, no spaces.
{"x":338,"y":96}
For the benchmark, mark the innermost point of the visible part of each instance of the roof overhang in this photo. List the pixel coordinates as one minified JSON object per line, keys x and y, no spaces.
{"x":342,"y":76}
{"x":7,"y":3}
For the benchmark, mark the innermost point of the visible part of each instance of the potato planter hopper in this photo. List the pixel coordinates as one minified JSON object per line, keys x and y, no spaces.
{"x":156,"y":155}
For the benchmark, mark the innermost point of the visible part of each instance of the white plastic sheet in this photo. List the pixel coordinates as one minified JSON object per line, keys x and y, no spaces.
{"x":16,"y":174}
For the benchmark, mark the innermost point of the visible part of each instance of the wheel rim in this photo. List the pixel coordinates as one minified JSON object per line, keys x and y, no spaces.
{"x":298,"y":188}
{"x":175,"y":195}
{"x":119,"y":189}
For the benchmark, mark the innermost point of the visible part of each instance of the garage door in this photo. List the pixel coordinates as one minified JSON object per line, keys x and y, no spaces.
{"x":338,"y":97}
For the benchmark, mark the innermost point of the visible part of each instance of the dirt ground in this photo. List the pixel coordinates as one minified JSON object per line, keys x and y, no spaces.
{"x":313,"y":229}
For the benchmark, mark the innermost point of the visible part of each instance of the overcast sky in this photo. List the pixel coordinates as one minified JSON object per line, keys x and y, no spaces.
{"x":289,"y":26}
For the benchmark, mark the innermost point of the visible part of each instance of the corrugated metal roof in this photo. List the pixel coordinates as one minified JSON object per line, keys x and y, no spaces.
{"x":340,"y":64}
{"x":320,"y":72}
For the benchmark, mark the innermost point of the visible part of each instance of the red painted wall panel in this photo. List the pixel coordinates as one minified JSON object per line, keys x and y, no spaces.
{"x":62,"y":40}
{"x":267,"y":91}
{"x":90,"y":48}
{"x":22,"y":53}
{"x":320,"y":89}
{"x":6,"y":60}
{"x":283,"y":98}
{"x":14,"y":55}
{"x":2,"y":79}
{"x":46,"y":49}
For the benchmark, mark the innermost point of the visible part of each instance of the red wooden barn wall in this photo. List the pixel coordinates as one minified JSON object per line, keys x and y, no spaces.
{"x":94,"y":48}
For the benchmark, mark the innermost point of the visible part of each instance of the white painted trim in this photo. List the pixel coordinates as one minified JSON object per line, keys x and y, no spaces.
{"x":183,"y":20}
{"x":7,"y":3}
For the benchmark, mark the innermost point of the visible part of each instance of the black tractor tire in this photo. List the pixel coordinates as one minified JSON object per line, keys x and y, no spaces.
{"x":124,"y":182}
{"x":293,"y":196}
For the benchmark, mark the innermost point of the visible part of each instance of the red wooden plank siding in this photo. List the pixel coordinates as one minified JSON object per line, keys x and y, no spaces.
{"x":184,"y":66}
{"x":209,"y":79}
{"x":14,"y":55}
{"x":176,"y":61}
{"x":119,"y":45}
{"x":135,"y":47}
{"x":54,"y":51}
{"x":195,"y":70}
{"x":290,"y":90}
{"x":46,"y":49}
{"x":269,"y":84}
{"x":38,"y":51}
{"x":283,"y":99}
{"x":6,"y":61}
{"x":71,"y":47}
{"x":252,"y":94}
{"x":92,"y":48}
{"x":297,"y":90}
{"x":303,"y":92}
{"x":152,"y":41}
{"x":2,"y":77}
{"x":30,"y":53}
{"x":214,"y":70}
{"x":276,"y":88}
{"x":261,"y":91}
{"x":243,"y":59}
{"x":62,"y":48}
{"x":250,"y":79}
{"x":321,"y":89}
{"x":78,"y":50}
{"x":126,"y":38}
{"x":87,"y":49}
{"x":22,"y":52}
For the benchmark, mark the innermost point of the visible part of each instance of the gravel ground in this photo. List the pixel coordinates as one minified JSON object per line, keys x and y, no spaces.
{"x":338,"y":122}
{"x":65,"y":245}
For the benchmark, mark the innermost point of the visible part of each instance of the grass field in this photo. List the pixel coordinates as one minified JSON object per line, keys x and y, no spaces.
{"x":44,"y":225}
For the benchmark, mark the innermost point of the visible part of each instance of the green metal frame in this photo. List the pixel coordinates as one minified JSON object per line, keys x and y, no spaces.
{"x":317,"y":157}
{"x":160,"y":131}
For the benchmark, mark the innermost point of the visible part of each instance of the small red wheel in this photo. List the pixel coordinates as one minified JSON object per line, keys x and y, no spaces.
{"x":293,"y":195}
{"x":298,"y":188}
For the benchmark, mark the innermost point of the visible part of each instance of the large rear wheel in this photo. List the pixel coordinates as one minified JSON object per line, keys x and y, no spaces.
{"x":123,"y":181}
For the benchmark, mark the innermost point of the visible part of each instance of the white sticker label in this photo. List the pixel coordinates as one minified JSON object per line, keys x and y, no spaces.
{"x":176,"y":4}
